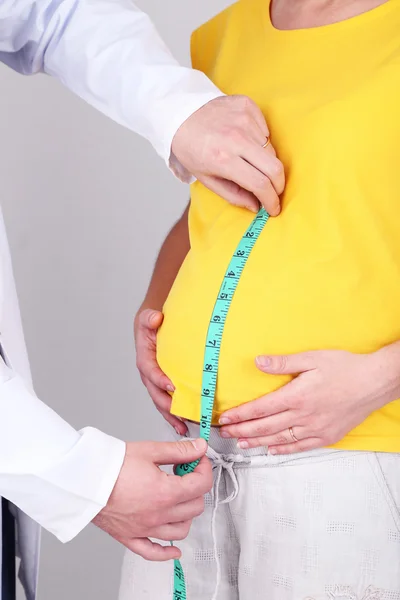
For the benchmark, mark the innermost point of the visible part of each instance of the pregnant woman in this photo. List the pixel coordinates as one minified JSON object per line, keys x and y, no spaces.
{"x":307,"y":467}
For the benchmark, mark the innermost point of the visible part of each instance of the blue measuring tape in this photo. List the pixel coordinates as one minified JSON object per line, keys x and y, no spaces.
{"x":212,"y":353}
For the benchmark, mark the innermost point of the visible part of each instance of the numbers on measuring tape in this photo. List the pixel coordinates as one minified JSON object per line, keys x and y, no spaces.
{"x":212,"y":352}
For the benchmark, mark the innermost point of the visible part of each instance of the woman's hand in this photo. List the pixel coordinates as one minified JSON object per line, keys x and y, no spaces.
{"x":147,"y":323}
{"x":334,"y":391}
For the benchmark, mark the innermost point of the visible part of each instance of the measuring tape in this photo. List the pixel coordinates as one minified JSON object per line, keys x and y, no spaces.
{"x":212,"y":353}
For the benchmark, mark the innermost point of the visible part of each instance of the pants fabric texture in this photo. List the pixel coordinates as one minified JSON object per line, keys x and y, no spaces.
{"x":319,"y":525}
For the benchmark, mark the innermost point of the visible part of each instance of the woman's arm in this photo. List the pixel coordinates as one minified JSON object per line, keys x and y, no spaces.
{"x":170,"y":258}
{"x":149,"y":319}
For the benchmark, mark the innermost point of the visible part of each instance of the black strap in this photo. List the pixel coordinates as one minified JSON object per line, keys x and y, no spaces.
{"x":8,"y":575}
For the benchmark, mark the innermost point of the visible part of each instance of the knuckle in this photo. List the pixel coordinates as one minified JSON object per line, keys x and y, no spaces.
{"x":139,"y":363}
{"x":152,"y":521}
{"x":298,"y":402}
{"x":236,"y":135}
{"x":282,"y":362}
{"x":261,"y":182}
{"x":182,"y":532}
{"x":277,"y":169}
{"x":185,"y":529}
{"x":219,"y":156}
{"x":182,"y":448}
{"x":258,"y":412}
{"x":164,"y":497}
{"x":281,"y":438}
{"x":245,"y":102}
{"x":260,"y":430}
{"x":199,"y":509}
{"x":245,"y":120}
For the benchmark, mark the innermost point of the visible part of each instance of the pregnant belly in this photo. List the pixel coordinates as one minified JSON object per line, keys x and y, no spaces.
{"x":274,"y":311}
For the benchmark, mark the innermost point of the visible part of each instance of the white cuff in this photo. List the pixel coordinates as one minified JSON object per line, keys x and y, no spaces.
{"x":58,"y":476}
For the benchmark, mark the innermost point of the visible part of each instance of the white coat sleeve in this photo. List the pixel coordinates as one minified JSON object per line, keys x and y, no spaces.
{"x":58,"y":476}
{"x":109,"y":53}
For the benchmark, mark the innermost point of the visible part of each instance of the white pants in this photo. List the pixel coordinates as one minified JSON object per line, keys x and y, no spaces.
{"x":319,"y":525}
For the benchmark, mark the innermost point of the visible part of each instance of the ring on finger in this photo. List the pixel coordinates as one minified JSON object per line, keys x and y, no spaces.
{"x":294,"y":438}
{"x":267,"y":143}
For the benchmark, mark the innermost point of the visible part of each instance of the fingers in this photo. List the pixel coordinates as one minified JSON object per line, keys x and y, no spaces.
{"x":265,"y":161}
{"x":194,"y":484}
{"x":180,"y":427}
{"x":287,"y":364}
{"x":185,"y":511}
{"x":146,"y":357}
{"x":256,"y":182}
{"x":230,"y":132}
{"x":162,"y":401}
{"x":293,"y":448}
{"x":280,"y":437}
{"x":261,"y":427}
{"x":176,"y":453}
{"x":151,"y":550}
{"x":150,"y":318}
{"x":232,"y":192}
{"x":271,"y":404}
{"x":173,"y":531}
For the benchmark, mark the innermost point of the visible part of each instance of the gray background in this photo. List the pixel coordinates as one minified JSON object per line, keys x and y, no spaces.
{"x":86,"y":205}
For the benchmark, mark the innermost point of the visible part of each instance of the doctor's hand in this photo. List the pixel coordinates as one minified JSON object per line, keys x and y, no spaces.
{"x":222,"y":146}
{"x":146,"y":502}
{"x":147,"y":323}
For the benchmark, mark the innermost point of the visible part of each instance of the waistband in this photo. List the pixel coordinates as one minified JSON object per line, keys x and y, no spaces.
{"x":229,"y":447}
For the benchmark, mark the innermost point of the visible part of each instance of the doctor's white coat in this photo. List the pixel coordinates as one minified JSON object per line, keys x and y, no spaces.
{"x":109,"y":54}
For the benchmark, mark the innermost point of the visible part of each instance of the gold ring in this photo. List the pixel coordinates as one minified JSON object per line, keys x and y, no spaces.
{"x":267,"y":143}
{"x":292,"y":434}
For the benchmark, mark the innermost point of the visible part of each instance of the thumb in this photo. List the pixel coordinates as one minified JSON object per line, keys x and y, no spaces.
{"x":151,"y":318}
{"x":176,"y":453}
{"x":286,"y":364}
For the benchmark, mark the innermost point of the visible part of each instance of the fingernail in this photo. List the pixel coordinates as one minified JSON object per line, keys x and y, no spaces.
{"x":177,"y":431}
{"x":224,"y":421}
{"x":273,"y":451}
{"x":170,"y":388}
{"x":243,"y":445}
{"x":263,"y":361}
{"x":225,"y":434}
{"x":199,"y":444}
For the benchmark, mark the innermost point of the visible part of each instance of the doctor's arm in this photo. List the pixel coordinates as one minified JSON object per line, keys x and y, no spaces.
{"x":109,"y":53}
{"x":64,"y":479}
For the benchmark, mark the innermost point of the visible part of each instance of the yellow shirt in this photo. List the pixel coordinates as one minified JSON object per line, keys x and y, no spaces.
{"x":325,"y":274}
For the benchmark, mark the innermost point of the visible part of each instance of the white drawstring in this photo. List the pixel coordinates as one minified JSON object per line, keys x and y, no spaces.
{"x":221,"y":462}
